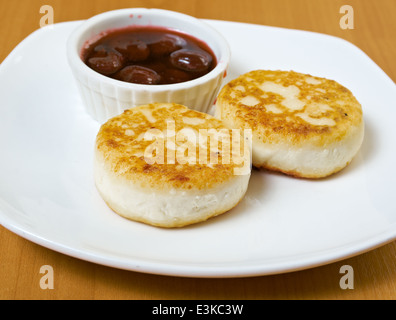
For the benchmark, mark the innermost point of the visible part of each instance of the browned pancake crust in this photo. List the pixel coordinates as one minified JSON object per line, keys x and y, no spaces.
{"x":121,"y":144}
{"x":324,"y":110}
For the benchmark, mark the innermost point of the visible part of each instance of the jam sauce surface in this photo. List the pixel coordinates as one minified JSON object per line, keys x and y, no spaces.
{"x":149,"y":55}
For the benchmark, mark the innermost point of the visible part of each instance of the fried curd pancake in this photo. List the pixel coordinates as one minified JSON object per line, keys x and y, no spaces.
{"x":302,"y":125}
{"x":169,"y":166}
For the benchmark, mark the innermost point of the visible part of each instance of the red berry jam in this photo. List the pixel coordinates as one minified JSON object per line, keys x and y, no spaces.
{"x":149,"y":55}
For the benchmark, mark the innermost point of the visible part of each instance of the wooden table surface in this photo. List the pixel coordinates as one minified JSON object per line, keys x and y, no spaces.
{"x":374,"y":271}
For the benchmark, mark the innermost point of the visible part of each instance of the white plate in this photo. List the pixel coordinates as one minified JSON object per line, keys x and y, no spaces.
{"x":47,"y":193}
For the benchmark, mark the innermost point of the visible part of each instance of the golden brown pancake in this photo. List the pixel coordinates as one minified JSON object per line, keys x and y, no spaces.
{"x":302,"y":125}
{"x":152,"y":165}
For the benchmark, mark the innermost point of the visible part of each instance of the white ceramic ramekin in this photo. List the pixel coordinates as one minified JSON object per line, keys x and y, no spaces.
{"x":105,"y":97}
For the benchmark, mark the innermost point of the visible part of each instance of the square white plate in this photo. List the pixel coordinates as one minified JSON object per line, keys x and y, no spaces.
{"x":47,"y":193}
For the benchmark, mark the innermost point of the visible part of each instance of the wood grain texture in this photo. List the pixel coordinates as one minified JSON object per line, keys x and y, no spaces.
{"x":375,"y":271}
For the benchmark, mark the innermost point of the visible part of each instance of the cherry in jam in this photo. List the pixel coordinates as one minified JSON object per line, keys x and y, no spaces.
{"x":149,"y":55}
